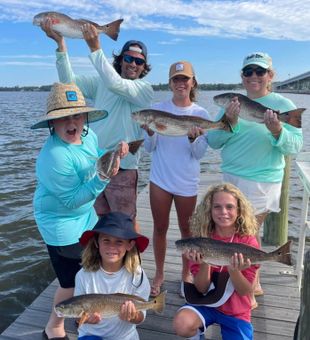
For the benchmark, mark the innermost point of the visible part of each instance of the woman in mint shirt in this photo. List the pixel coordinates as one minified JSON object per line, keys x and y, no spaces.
{"x":253,"y":154}
{"x":67,"y":186}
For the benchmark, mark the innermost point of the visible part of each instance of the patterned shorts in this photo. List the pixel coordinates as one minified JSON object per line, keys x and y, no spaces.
{"x":119,"y":195}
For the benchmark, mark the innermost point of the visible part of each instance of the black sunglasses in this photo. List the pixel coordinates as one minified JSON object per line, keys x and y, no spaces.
{"x":129,"y":59}
{"x":259,"y":71}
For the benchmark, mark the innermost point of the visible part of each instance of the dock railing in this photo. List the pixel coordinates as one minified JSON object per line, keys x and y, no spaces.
{"x":303,"y":170}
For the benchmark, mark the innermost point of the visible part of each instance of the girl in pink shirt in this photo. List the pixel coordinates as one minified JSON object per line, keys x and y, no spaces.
{"x":226,"y":215}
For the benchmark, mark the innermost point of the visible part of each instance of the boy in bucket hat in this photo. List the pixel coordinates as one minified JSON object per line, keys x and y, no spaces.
{"x":120,"y":89}
{"x":111,"y":264}
{"x":67,"y":185}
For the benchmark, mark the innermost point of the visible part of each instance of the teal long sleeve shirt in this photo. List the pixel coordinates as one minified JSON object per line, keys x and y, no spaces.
{"x":67,"y":185}
{"x":119,"y":96}
{"x":251,"y":152}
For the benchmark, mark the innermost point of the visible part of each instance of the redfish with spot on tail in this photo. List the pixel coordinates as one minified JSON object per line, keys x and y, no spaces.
{"x":168,"y":124}
{"x":254,"y":111}
{"x":107,"y":305}
{"x":71,"y":28}
{"x":219,"y":253}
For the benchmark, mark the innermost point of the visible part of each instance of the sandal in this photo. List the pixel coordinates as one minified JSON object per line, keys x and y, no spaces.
{"x":155,"y":289}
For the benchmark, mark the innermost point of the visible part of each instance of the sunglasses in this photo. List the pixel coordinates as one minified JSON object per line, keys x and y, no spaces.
{"x":259,"y":71}
{"x":129,"y":59}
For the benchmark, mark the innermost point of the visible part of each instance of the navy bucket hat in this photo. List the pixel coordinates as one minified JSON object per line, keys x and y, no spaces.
{"x":116,"y":224}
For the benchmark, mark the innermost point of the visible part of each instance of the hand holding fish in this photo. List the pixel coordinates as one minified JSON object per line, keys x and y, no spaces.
{"x":193,"y":255}
{"x":272,"y":123}
{"x":194,"y":132}
{"x":123,"y":149}
{"x":91,"y":37}
{"x":232,"y":111}
{"x":237,"y":263}
{"x":129,"y":313}
{"x":46,"y":26}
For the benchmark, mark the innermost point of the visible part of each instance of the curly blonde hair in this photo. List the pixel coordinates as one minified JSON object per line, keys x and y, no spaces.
{"x":202,"y":224}
{"x":91,"y":259}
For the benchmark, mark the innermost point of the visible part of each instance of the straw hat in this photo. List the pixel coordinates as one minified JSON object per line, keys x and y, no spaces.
{"x":66,"y":100}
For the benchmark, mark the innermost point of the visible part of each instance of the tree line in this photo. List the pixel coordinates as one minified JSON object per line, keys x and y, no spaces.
{"x":158,"y":87}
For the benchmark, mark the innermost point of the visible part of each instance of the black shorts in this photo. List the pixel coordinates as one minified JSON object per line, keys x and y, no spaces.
{"x":66,"y":261}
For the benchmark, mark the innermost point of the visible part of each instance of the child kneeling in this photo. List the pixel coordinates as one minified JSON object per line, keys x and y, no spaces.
{"x":224,"y":214}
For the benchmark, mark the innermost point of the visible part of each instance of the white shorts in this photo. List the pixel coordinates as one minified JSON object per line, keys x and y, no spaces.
{"x":264,"y":196}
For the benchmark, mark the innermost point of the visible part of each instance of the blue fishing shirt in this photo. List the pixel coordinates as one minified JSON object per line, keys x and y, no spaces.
{"x":67,"y":185}
{"x":119,"y":96}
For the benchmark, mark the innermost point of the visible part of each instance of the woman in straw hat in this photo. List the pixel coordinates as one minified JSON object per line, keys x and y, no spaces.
{"x":67,"y":186}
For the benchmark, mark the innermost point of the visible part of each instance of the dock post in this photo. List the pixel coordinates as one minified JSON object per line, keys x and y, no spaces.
{"x":276,"y":224}
{"x":304,"y":325}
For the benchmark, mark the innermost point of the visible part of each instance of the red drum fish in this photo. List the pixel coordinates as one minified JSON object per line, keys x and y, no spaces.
{"x":219,"y":253}
{"x":71,"y":28}
{"x":107,"y":305}
{"x":254,"y":111}
{"x":166,"y":123}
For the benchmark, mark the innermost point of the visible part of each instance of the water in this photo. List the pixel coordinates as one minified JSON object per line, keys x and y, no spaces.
{"x":24,"y":264}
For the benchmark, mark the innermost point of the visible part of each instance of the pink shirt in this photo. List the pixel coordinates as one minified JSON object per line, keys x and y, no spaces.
{"x":236,"y":306}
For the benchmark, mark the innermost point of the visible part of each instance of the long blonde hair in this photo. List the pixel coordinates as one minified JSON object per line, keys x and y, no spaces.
{"x":202,"y":224}
{"x":91,"y":259}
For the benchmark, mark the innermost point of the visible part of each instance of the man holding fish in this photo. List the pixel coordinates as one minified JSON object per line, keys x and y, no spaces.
{"x":120,"y":90}
{"x":253,"y":153}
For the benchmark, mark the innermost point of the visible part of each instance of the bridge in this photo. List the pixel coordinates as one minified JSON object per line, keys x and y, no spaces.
{"x":298,"y":84}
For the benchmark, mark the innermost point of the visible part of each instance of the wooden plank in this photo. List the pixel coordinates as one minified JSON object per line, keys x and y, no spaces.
{"x":274,"y":319}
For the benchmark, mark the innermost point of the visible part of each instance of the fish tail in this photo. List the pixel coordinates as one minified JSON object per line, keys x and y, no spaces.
{"x":292,"y":117}
{"x":283,"y":254}
{"x":159,"y":302}
{"x":135,"y":145}
{"x":111,"y":29}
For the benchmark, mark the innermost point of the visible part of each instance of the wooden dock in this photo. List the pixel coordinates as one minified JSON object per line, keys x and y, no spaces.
{"x":274,"y":319}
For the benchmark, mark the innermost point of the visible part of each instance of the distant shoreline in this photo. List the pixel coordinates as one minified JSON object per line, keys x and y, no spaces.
{"x":159,"y":87}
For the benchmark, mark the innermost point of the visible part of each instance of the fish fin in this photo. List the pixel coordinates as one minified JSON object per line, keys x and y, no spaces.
{"x":83,"y":318}
{"x":86,"y":21}
{"x":135,"y":145}
{"x":159,"y":302}
{"x":130,"y":297}
{"x":292,"y":117}
{"x":111,"y":29}
{"x":283,"y":254}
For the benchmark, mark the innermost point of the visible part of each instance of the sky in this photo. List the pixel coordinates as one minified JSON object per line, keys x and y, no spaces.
{"x":214,"y":36}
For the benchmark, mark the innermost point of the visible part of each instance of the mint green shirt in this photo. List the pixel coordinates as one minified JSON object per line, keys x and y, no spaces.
{"x":251,"y":152}
{"x":119,"y":96}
